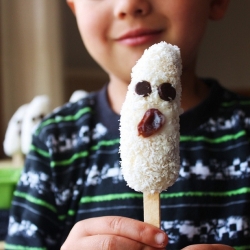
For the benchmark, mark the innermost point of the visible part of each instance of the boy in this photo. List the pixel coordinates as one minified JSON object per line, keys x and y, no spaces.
{"x":72,"y":180}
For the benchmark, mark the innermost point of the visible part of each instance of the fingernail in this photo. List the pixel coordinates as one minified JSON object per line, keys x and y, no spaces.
{"x":160,"y":238}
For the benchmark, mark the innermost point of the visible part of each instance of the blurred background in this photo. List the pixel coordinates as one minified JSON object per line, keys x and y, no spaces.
{"x":41,"y":53}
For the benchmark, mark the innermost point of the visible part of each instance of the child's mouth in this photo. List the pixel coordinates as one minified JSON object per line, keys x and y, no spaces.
{"x":139,"y":36}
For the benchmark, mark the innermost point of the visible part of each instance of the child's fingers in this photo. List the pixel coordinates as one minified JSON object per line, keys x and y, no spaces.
{"x":129,"y":228}
{"x":126,"y":228}
{"x":107,"y":242}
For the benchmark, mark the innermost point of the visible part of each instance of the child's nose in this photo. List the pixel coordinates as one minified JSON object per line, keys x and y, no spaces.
{"x":125,"y":8}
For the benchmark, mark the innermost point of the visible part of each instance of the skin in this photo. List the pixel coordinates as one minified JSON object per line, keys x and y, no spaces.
{"x":116,"y":32}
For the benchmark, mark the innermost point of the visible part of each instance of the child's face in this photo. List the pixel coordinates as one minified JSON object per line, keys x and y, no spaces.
{"x":116,"y":32}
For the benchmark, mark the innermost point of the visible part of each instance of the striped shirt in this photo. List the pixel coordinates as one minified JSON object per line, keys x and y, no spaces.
{"x":72,"y":173}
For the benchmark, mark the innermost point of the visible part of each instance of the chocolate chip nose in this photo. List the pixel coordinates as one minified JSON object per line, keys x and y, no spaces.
{"x":151,"y":122}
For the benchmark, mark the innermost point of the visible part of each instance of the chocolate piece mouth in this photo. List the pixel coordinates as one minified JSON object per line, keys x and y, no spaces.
{"x":152,"y":122}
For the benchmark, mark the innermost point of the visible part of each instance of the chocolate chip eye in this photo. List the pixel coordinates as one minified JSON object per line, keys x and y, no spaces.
{"x":143,"y":88}
{"x":167,"y":92}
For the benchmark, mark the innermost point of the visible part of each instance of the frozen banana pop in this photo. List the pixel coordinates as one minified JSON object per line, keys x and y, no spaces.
{"x":149,"y":124}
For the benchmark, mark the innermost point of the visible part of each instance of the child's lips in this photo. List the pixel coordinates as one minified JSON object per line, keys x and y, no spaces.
{"x":139,"y":36}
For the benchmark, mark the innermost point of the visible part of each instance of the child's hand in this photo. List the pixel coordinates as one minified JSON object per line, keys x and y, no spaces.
{"x":114,"y":232}
{"x":208,"y":247}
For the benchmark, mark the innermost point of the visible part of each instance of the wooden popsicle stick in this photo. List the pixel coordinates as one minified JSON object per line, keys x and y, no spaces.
{"x":152,"y":209}
{"x":18,"y":160}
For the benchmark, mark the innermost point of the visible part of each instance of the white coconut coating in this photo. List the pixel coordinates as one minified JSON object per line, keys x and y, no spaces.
{"x":151,"y":164}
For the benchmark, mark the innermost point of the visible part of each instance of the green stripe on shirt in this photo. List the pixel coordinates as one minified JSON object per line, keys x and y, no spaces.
{"x":105,"y":143}
{"x":20,"y":247}
{"x":75,"y":156}
{"x":240,"y":191}
{"x":229,"y":104}
{"x":111,"y":197}
{"x":224,"y":138}
{"x":39,"y":151}
{"x":241,"y":247}
{"x":35,"y":200}
{"x":70,"y":160}
{"x":67,"y":118}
